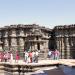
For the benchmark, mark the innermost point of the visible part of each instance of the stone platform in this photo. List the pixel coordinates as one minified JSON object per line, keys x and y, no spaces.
{"x":21,"y":67}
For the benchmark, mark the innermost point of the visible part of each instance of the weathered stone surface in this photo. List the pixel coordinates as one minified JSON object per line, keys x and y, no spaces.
{"x":27,"y":37}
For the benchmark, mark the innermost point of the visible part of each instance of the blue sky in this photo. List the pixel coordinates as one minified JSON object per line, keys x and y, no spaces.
{"x":47,"y":13}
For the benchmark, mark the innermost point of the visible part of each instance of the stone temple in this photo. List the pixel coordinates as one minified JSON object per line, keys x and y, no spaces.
{"x":34,"y":37}
{"x":24,"y":37}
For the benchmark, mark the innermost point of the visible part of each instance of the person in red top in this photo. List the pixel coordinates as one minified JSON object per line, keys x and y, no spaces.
{"x":7,"y":56}
{"x":56,"y":54}
{"x":17,"y":56}
{"x":0,"y":56}
{"x":30,"y":55}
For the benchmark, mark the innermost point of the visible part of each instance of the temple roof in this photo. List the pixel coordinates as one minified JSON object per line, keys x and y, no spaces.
{"x":25,"y":26}
{"x":65,"y":26}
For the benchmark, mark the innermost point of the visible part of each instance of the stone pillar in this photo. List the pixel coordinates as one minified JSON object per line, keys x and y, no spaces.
{"x":46,"y":44}
{"x":21,"y":32}
{"x":13,"y":46}
{"x":32,"y":46}
{"x":67,"y":47}
{"x":71,"y":46}
{"x":21,"y":41}
{"x":1,"y":45}
{"x":13,"y":39}
{"x":14,"y":43}
{"x":57,"y":44}
{"x":41,"y":46}
{"x":21,"y":46}
{"x":6,"y":41}
{"x":60,"y":47}
{"x":6,"y":34}
{"x":35,"y":45}
{"x":13,"y":32}
{"x":6,"y":44}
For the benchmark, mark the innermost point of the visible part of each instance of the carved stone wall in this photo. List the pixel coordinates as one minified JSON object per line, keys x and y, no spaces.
{"x":66,"y":40}
{"x":24,"y":37}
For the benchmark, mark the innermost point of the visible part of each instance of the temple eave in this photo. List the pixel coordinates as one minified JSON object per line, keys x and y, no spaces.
{"x":36,"y":41}
{"x":34,"y":35}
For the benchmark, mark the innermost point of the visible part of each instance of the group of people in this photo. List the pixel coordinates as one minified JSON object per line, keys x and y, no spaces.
{"x":53,"y":54}
{"x":31,"y":56}
{"x":6,"y":56}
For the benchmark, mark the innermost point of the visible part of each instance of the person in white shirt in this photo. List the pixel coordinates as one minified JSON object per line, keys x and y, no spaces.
{"x":33,"y":56}
{"x":49,"y":54}
{"x":11,"y":57}
{"x":26,"y":56}
{"x":36,"y":56}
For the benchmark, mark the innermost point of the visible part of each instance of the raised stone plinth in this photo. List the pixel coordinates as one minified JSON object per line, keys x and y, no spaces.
{"x":20,"y":68}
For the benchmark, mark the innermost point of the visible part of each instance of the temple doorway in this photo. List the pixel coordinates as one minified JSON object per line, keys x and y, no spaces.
{"x":38,"y":46}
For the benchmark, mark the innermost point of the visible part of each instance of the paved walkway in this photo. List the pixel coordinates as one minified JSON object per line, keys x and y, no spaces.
{"x":47,"y":71}
{"x":68,"y":62}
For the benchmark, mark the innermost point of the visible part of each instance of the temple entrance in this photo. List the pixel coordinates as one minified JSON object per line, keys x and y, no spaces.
{"x":38,"y":46}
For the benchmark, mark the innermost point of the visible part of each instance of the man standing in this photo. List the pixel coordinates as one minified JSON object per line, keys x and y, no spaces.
{"x":33,"y":56}
{"x":56,"y":54}
{"x":36,"y":56}
{"x":26,"y":56}
{"x":49,"y":54}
